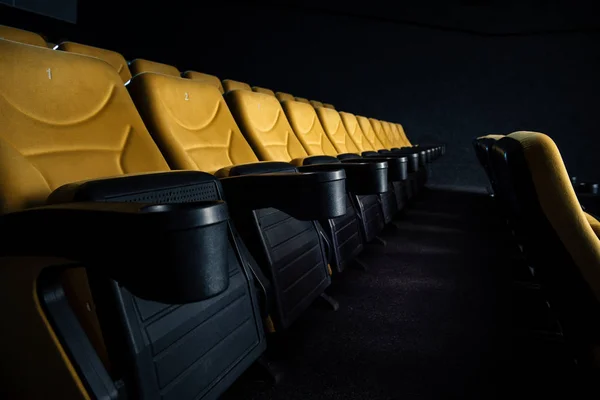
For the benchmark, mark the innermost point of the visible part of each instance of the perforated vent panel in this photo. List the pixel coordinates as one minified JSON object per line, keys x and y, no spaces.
{"x":184,"y":194}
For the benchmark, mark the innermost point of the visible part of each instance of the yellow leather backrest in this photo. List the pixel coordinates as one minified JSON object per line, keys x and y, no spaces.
{"x":263,"y":123}
{"x":230,"y":85}
{"x":204,"y":78}
{"x":355,"y":132}
{"x":369,"y":132}
{"x":560,"y":205}
{"x":405,"y":140}
{"x":379,"y":133}
{"x":335,"y":130}
{"x":284,"y":96}
{"x":190,"y":122}
{"x":140,"y":65}
{"x":115,"y":59}
{"x":21,"y":36}
{"x":262,"y":90}
{"x":64,"y":118}
{"x":302,"y":100}
{"x":398,"y":139}
{"x":389,"y":134}
{"x":327,"y":105}
{"x":316,"y":104}
{"x":308,"y":129}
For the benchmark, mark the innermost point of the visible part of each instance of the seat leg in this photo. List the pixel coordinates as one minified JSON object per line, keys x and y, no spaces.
{"x":333,"y":303}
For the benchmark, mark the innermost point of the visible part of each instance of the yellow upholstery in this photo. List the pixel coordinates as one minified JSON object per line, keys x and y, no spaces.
{"x":316,"y":104}
{"x":190,"y":122}
{"x":594,"y":223}
{"x":112,"y":57}
{"x":21,"y":36}
{"x":140,"y":65}
{"x":379,"y":133}
{"x":369,"y":132}
{"x":308,"y":129}
{"x":80,"y":124}
{"x":284,"y":96}
{"x":335,"y":130}
{"x":65,"y":118}
{"x":403,"y":136}
{"x":389,"y":133}
{"x":495,"y":137}
{"x":230,"y":85}
{"x":263,"y":123}
{"x":327,"y":105}
{"x":560,"y":205}
{"x":398,"y":140}
{"x":204,"y":78}
{"x":355,"y":132}
{"x":263,"y":90}
{"x":302,"y":100}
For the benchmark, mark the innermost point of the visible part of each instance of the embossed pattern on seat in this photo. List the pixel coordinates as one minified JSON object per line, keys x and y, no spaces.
{"x":308,"y":129}
{"x":204,"y":78}
{"x":335,"y":130}
{"x":379,"y":133}
{"x":21,"y":36}
{"x":190,"y":122}
{"x":369,"y":132}
{"x":140,"y":65}
{"x":355,"y":132}
{"x":112,"y":57}
{"x":263,"y":123}
{"x":96,"y":133}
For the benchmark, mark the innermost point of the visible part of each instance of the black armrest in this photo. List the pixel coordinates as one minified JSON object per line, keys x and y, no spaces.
{"x":305,"y":196}
{"x":172,"y":253}
{"x":361,"y":178}
{"x":411,"y":157}
{"x":421,"y":154}
{"x":397,"y":165}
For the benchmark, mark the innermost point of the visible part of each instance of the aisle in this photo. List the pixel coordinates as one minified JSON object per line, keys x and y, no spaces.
{"x":431,"y":318}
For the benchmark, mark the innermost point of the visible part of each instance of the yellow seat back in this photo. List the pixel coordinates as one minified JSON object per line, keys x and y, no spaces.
{"x":308,"y":129}
{"x":335,"y":130}
{"x":369,"y":132}
{"x":115,"y":59}
{"x":355,"y":132}
{"x":140,"y":65}
{"x":405,"y":140}
{"x":284,"y":96}
{"x":379,"y":133}
{"x":262,"y":90}
{"x":263,"y":123}
{"x":204,"y":78}
{"x":190,"y":122}
{"x":302,"y":100}
{"x":316,"y":104}
{"x":21,"y":36}
{"x":229,"y":85}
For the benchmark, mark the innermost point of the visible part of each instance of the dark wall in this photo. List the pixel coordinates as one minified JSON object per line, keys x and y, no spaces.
{"x":447,"y":74}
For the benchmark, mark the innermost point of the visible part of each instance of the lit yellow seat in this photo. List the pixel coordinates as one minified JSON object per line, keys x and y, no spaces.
{"x":116,"y":60}
{"x":204,"y":78}
{"x":229,"y":85}
{"x":68,"y":118}
{"x":355,"y":132}
{"x":369,"y":132}
{"x":327,"y":105}
{"x":302,"y":100}
{"x":281,"y":96}
{"x":316,"y":104}
{"x":263,"y":90}
{"x":21,"y":36}
{"x":140,"y":65}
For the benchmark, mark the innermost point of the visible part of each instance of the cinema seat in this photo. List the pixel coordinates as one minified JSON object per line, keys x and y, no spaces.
{"x":229,"y":85}
{"x":393,"y":200}
{"x":116,"y":60}
{"x":204,"y":78}
{"x":194,"y":129}
{"x":307,"y":128}
{"x":483,"y":147}
{"x":302,"y":100}
{"x":284,"y":96}
{"x":130,"y":293}
{"x":326,"y":105}
{"x":558,"y":238}
{"x":316,"y":104}
{"x":21,"y":36}
{"x":140,"y":65}
{"x":263,"y":90}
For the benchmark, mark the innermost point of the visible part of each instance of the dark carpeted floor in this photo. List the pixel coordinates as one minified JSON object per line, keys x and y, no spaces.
{"x":436,"y":316}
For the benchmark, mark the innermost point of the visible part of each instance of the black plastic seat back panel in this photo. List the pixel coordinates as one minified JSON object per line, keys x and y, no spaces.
{"x":370,"y":216}
{"x":191,"y":351}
